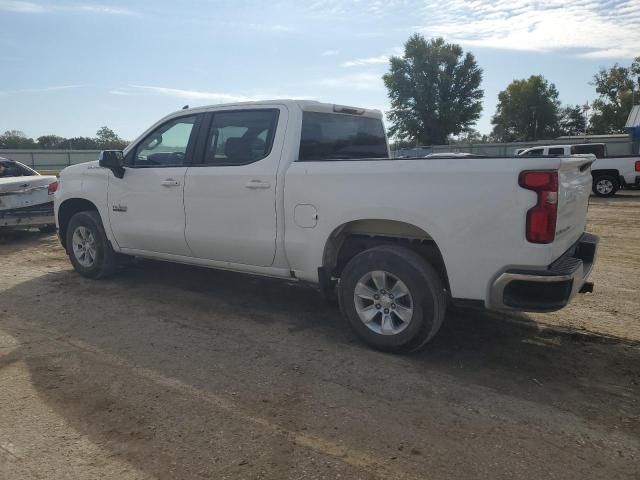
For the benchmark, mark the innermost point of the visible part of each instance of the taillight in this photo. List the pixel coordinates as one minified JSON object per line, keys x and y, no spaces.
{"x":541,"y":219}
{"x":53,"y":186}
{"x":638,"y":166}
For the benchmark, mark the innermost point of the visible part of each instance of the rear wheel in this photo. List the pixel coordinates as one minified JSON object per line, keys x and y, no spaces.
{"x":88,"y":247}
{"x":605,"y":185}
{"x":392,"y":298}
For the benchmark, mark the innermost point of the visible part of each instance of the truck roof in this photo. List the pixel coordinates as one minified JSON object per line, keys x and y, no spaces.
{"x":304,"y":105}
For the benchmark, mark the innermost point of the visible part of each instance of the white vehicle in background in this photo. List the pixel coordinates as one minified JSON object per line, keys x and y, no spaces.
{"x":306,"y":191}
{"x":609,"y":173}
{"x":26,"y":197}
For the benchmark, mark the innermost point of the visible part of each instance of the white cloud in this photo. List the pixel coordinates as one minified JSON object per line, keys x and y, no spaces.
{"x":195,"y":94}
{"x":359,"y":62}
{"x":21,"y":7}
{"x":356,"y":81}
{"x":204,"y":95}
{"x":52,"y":88}
{"x":330,"y":53}
{"x":584,"y":28}
{"x":603,"y":29}
{"x":105,"y":9}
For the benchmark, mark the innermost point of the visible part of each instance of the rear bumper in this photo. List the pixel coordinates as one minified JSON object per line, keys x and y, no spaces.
{"x":551,"y":288}
{"x":32,"y":216}
{"x":630,"y":181}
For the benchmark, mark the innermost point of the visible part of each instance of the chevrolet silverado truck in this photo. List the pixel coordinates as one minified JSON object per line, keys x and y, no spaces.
{"x":306,"y":191}
{"x":609,"y":173}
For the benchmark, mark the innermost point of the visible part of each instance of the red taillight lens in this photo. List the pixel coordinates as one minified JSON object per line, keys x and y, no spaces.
{"x":638,"y":166}
{"x":53,"y":186}
{"x":541,"y":219}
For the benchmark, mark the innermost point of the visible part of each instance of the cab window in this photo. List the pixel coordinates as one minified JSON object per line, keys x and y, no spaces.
{"x":241,"y":137}
{"x":166,"y":145}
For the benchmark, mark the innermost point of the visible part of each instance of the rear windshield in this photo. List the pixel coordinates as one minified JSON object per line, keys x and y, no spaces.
{"x":333,"y":136}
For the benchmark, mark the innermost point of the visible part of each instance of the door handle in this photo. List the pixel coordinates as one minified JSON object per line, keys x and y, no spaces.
{"x":170,"y":182}
{"x":257,"y":184}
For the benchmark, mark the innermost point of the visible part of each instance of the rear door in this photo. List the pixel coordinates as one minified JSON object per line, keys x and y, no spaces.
{"x":146,"y":205}
{"x":230,"y":196}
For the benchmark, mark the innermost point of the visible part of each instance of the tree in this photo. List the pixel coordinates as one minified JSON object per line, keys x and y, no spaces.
{"x":50,"y":141}
{"x":81,"y":143}
{"x":572,"y":121}
{"x":16,"y":139}
{"x":615,"y":87}
{"x":527,"y":110}
{"x":434,"y":91}
{"x":108,"y":140}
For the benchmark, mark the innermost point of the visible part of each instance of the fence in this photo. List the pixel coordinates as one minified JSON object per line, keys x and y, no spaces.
{"x":50,"y":160}
{"x":616,"y":145}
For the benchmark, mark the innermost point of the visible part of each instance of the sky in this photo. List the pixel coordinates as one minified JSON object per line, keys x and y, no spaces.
{"x":69,"y":67}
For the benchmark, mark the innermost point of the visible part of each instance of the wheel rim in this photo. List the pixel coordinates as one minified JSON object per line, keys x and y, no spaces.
{"x":604,"y":186}
{"x":84,"y":246}
{"x":383,"y":302}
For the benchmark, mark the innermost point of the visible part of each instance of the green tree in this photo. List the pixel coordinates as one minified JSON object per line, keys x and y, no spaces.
{"x":434,"y":91}
{"x":615,"y":89}
{"x":527,"y":110}
{"x":81,"y":143}
{"x":51,"y":141}
{"x":16,"y":139}
{"x":108,"y":140}
{"x":572,"y":121}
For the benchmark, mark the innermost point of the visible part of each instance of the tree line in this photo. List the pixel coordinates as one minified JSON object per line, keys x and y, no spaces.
{"x":105,"y":139}
{"x":435,"y":94}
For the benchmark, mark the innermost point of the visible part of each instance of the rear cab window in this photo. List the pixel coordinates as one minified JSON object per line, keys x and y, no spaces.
{"x":338,"y":136}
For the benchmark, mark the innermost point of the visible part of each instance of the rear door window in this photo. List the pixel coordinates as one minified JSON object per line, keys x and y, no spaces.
{"x":556,"y":151}
{"x":333,"y":136}
{"x":240,"y":137}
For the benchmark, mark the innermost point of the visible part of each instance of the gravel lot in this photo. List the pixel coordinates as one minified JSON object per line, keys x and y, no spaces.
{"x":168,"y":371}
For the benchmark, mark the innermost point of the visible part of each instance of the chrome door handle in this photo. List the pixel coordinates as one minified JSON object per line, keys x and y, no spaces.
{"x":257,"y":184}
{"x":170,"y":182}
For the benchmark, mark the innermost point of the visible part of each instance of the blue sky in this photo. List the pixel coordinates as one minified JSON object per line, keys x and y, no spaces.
{"x":69,"y":67}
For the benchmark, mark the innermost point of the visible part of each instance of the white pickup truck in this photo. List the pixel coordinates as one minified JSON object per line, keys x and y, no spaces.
{"x":306,"y":191}
{"x":609,"y":173}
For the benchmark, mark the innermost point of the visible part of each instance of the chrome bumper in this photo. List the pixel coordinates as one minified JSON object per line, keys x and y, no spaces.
{"x":548,"y":289}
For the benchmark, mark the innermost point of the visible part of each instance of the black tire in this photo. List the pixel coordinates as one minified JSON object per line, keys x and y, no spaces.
{"x":428,"y":295}
{"x":48,"y":228}
{"x":105,"y":262}
{"x":605,"y":186}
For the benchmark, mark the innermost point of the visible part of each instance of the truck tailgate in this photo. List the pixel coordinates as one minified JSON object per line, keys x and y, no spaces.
{"x":574,"y":183}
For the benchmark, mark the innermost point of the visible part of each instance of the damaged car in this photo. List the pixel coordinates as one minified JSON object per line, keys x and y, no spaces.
{"x":26,"y":197}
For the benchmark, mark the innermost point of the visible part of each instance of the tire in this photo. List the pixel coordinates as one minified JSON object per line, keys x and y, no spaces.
{"x":99,"y":260}
{"x":48,"y":228}
{"x":605,"y":186}
{"x":426,"y":298}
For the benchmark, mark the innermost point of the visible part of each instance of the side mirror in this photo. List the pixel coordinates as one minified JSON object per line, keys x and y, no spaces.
{"x":113,"y":160}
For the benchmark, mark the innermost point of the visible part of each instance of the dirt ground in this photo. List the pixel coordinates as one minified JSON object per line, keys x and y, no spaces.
{"x":168,"y":371}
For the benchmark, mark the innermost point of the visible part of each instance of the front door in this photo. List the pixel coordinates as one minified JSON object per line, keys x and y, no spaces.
{"x":230,"y":197}
{"x":146,"y":205}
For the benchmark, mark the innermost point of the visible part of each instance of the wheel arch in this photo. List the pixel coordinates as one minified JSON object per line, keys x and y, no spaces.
{"x":67,"y":210}
{"x":608,"y":171}
{"x":355,"y":236}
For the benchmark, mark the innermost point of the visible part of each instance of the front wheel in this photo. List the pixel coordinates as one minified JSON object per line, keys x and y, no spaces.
{"x":605,"y":185}
{"x":88,"y":247}
{"x":393,"y":298}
